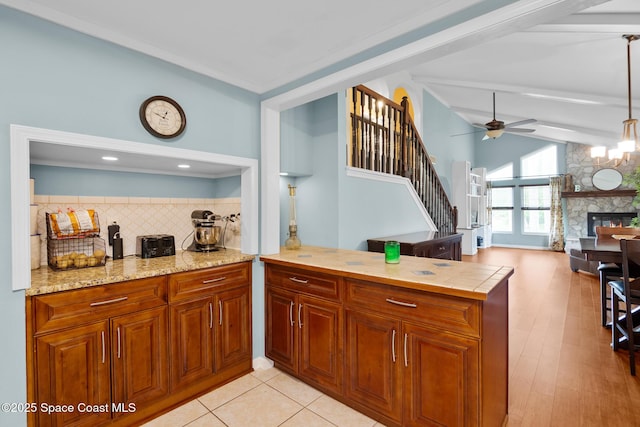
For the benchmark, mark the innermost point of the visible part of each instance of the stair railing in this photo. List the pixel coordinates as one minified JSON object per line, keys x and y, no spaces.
{"x":384,"y":139}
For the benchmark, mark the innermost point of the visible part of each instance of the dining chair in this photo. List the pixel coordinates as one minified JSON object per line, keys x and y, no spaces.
{"x":626,"y":292}
{"x":609,"y":271}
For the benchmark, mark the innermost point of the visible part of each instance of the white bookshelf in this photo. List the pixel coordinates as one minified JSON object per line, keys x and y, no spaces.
{"x":470,"y":197}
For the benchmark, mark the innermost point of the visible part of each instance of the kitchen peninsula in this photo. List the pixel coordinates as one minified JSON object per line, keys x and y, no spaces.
{"x":422,"y":342}
{"x":118,"y":344}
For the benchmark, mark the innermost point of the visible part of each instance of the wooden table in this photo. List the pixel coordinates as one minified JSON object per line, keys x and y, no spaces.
{"x":603,"y":250}
{"x":427,"y":244}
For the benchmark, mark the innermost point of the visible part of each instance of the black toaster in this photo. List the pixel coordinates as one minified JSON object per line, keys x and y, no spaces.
{"x":155,"y":245}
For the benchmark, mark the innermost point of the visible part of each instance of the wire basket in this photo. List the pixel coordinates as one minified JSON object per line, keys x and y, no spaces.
{"x":78,"y":248}
{"x":64,"y":254}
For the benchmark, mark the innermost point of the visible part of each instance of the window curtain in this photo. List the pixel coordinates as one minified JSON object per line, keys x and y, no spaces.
{"x":556,"y":234}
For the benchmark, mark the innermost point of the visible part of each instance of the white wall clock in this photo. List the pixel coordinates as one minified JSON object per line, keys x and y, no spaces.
{"x":162,"y":117}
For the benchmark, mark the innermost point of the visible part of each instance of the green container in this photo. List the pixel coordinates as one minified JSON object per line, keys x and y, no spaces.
{"x":392,"y":252}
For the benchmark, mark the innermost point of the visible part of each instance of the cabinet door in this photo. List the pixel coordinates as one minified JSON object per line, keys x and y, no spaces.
{"x":140,"y":357}
{"x":191,"y":341}
{"x":233,"y":334}
{"x":73,"y":367}
{"x":320,"y":332}
{"x":280,"y":327}
{"x":440,"y":378}
{"x":373,"y":365}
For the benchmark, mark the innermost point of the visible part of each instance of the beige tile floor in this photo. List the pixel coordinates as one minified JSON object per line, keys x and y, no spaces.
{"x":264,"y":398}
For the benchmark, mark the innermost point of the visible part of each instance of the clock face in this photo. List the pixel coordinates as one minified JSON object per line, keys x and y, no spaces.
{"x":162,"y":117}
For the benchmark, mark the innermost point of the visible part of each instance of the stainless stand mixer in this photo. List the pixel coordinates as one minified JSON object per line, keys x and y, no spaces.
{"x":205,"y":233}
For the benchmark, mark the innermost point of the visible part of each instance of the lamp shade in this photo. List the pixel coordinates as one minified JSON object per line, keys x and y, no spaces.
{"x":600,"y":151}
{"x":495,"y":133}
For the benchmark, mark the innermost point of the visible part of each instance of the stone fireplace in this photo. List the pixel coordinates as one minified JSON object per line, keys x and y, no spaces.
{"x":578,"y":209}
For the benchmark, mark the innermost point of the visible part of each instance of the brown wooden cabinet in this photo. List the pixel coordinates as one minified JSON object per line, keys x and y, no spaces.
{"x":411,"y":357}
{"x":140,"y":358}
{"x":73,"y":366}
{"x":210,"y":322}
{"x":133,"y":349}
{"x":118,"y":361}
{"x":427,"y":346}
{"x":304,"y":320}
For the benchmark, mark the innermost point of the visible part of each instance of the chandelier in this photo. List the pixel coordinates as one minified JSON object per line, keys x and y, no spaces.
{"x":629,"y":142}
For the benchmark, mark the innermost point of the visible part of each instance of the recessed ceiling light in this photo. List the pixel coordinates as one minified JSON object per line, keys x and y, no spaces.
{"x":109,"y":158}
{"x":184,"y":166}
{"x":284,"y":173}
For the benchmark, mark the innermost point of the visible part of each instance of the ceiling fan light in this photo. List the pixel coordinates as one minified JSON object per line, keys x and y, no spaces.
{"x":495,"y":133}
{"x":599,"y":151}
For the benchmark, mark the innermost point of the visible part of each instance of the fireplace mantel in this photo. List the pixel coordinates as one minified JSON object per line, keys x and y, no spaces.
{"x":600,"y":193}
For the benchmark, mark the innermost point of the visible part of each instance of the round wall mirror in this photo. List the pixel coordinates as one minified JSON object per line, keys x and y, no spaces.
{"x":607,"y":179}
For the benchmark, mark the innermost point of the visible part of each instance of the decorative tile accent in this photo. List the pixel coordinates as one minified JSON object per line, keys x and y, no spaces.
{"x":442,"y":264}
{"x":423,"y":272}
{"x":139,"y":216}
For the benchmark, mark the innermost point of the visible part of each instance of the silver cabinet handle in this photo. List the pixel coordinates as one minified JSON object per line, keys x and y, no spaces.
{"x":217,"y":279}
{"x":210,"y":315}
{"x":406,"y":362}
{"x":291,"y":313}
{"x":220,"y":310}
{"x":118,"y":342}
{"x":111,"y":301}
{"x":404,"y":304}
{"x":103,"y":349}
{"x":295,"y":279}
{"x":299,"y":317}
{"x":393,"y":346}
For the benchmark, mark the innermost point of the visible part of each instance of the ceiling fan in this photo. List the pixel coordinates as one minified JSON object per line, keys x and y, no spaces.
{"x":495,"y":128}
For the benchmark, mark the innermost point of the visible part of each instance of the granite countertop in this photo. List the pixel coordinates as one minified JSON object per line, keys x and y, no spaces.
{"x":46,"y":280}
{"x":464,"y":279}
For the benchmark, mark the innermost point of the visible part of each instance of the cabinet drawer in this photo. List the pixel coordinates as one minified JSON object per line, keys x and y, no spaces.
{"x":324,"y":285}
{"x":76,"y":307}
{"x":199,"y":282}
{"x":441,"y":311}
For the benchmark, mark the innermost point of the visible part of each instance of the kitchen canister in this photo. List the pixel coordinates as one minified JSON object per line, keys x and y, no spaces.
{"x":33,"y":219}
{"x":392,"y":252}
{"x":35,"y":251}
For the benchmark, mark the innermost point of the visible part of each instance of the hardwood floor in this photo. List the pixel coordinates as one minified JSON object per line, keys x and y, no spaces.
{"x":562,"y":370}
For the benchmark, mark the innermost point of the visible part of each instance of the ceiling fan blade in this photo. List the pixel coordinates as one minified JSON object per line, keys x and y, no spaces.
{"x":469,"y":133}
{"x":479,"y":125}
{"x":519,"y":130}
{"x":521,"y":122}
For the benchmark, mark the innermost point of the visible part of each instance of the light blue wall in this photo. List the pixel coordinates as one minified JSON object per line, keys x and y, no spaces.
{"x":55,"y":78}
{"x":510,"y":148}
{"x":52,"y":180}
{"x":439,"y":125}
{"x":334,"y":209}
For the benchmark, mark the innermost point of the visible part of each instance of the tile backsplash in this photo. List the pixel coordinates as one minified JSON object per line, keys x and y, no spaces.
{"x":139,"y":216}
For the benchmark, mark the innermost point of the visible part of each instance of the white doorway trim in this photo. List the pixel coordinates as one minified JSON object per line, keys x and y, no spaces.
{"x":22,"y":136}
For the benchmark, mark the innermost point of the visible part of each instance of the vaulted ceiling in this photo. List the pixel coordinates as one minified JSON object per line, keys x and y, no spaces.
{"x":566,"y":68}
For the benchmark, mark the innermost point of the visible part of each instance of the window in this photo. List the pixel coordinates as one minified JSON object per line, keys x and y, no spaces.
{"x":502,"y":209}
{"x":536,"y":201}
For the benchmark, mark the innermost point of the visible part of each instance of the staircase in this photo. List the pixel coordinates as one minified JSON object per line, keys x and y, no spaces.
{"x":384,"y":139}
